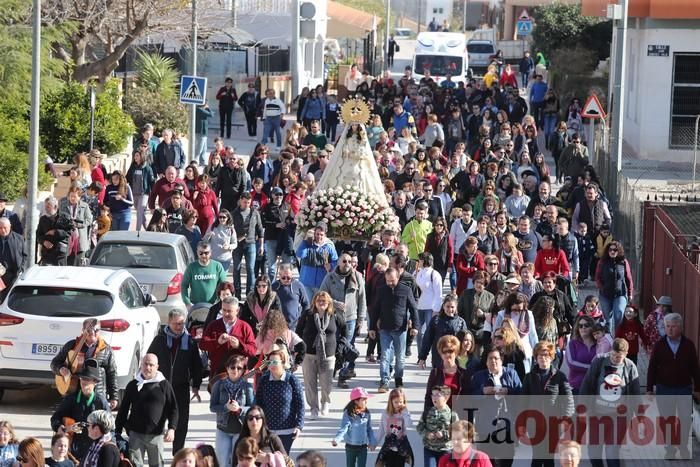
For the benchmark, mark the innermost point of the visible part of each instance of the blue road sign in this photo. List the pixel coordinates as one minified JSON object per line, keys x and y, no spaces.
{"x":524,"y":27}
{"x":193,"y":90}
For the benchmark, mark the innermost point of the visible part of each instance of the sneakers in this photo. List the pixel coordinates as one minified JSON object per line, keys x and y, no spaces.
{"x":383,"y":387}
{"x":325,"y":409}
{"x":371,"y":359}
{"x":398,"y":382}
{"x":314,"y":415}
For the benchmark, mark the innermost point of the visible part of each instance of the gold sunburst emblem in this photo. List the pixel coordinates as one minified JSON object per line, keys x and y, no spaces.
{"x":355,"y":110}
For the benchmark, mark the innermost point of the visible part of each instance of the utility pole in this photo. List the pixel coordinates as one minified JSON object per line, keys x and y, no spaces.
{"x":464,"y":20}
{"x":295,"y":53}
{"x":193,"y":108}
{"x":386,"y":34}
{"x":33,"y":166}
{"x":620,"y":84}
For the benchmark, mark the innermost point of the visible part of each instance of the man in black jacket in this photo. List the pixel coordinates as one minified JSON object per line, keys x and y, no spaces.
{"x":394,"y":305}
{"x":231,"y":183}
{"x":12,"y":254}
{"x":181,"y":366}
{"x":149,"y":402}
{"x":250,"y":103}
{"x":249,"y":228}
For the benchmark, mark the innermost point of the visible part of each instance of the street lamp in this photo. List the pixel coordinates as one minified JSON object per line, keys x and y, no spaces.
{"x":33,"y":169}
{"x":92,"y":117}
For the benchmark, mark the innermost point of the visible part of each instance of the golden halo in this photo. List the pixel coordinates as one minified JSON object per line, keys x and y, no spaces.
{"x":355,"y":110}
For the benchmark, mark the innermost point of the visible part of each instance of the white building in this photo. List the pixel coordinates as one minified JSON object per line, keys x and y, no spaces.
{"x":440,"y":10}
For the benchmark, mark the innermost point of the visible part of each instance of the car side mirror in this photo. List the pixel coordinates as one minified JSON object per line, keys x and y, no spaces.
{"x":150,"y":299}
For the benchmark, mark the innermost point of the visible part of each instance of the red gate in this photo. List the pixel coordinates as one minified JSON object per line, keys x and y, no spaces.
{"x":671,"y":260}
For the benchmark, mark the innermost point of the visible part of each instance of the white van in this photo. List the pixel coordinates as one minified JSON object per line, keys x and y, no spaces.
{"x":441,"y":53}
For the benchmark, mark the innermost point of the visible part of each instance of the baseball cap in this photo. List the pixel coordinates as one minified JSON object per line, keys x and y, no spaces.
{"x":359,"y":393}
{"x":277,"y":191}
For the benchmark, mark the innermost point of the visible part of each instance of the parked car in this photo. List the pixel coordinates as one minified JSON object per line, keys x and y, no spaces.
{"x":157,"y":260}
{"x":480,"y":52}
{"x":46,"y":308}
{"x":402,"y":33}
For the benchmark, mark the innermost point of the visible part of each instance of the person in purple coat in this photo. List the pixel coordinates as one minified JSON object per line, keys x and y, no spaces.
{"x":580,"y":351}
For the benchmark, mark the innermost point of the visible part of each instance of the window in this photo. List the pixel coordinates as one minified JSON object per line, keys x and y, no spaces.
{"x":685,"y":100}
{"x":59,"y":302}
{"x":130,"y":294}
{"x":134,"y":255}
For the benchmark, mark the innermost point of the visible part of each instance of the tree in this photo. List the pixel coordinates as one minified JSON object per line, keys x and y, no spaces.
{"x":65,"y":120}
{"x":559,"y":25}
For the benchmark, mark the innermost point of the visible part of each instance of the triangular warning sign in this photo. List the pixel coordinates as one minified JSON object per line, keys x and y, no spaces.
{"x":193,"y":91}
{"x":524,"y":15}
{"x":593,"y":108}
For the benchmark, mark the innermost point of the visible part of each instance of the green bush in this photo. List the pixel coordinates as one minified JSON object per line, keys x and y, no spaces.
{"x":65,"y":121}
{"x":14,"y":147}
{"x":146,"y":106}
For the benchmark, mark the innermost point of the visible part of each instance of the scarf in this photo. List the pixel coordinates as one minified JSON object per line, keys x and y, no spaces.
{"x":93,"y":455}
{"x":350,"y":278}
{"x":140,"y":381}
{"x":171,"y":337}
{"x":233,"y":388}
{"x":523,"y":323}
{"x":320,"y":343}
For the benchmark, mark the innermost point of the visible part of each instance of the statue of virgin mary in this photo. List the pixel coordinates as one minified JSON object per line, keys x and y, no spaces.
{"x":352,"y":162}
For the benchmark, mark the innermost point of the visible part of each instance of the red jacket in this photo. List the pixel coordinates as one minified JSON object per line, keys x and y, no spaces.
{"x":98,"y":176}
{"x":551,"y":260}
{"x":207,"y":205}
{"x":631,"y":330}
{"x":162,"y":191}
{"x":218,"y":354}
{"x":466,"y":268}
{"x":471,"y":458}
{"x":507,"y":79}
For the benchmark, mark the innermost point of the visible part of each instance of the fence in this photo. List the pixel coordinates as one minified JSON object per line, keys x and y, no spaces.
{"x":671,"y":260}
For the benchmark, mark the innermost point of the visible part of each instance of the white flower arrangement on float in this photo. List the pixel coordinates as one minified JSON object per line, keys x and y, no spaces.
{"x":349,"y":213}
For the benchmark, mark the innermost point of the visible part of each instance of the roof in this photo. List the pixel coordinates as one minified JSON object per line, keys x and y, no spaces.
{"x":345,"y":21}
{"x":685,"y":216}
{"x":73,"y":276}
{"x":142,"y":237}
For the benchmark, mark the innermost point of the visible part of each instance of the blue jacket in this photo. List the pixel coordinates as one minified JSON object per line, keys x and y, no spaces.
{"x":356,"y":430}
{"x":405,"y":119}
{"x":509,"y":380}
{"x":282,"y":401}
{"x":293,"y":300}
{"x":314,"y":109}
{"x":313,"y":258}
{"x":537,"y":92}
{"x":220,"y":397}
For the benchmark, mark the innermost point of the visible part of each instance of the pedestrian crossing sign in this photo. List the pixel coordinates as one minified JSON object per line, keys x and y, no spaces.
{"x":524,"y":27}
{"x":193,"y":90}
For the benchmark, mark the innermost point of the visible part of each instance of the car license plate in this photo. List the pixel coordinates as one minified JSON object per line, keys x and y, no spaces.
{"x":45,"y":349}
{"x":145,"y":288}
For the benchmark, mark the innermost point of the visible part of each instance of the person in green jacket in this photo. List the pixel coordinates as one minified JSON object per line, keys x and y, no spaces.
{"x":416,"y":232}
{"x":202,"y":277}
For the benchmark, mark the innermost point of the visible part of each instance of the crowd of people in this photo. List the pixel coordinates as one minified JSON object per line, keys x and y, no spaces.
{"x":464,"y":172}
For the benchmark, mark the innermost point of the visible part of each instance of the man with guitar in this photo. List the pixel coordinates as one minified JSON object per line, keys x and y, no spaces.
{"x":89,"y":345}
{"x":71,"y":415}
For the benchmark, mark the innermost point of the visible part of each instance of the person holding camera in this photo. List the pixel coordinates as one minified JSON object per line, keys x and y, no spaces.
{"x":72,"y":413}
{"x":79,"y":212}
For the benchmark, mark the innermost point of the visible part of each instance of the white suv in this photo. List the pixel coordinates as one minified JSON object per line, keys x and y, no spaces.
{"x":46,"y":308}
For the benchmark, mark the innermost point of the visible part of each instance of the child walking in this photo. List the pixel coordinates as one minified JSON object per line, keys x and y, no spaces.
{"x":592,"y":309}
{"x":631,"y":329}
{"x":434,"y":426}
{"x":356,"y":429}
{"x":393,"y":426}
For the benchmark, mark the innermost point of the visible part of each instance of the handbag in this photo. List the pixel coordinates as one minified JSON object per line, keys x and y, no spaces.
{"x":397,"y":48}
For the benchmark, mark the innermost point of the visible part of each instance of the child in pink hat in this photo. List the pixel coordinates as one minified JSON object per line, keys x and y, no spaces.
{"x":356,"y":429}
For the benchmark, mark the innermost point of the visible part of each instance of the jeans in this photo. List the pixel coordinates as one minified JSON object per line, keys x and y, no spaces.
{"x":225,"y":121}
{"x":251,"y":121}
{"x":331,"y":129}
{"x":226,"y":264}
{"x":201,"y":150}
{"x":355,"y":456}
{"x":613,"y":310}
{"x":224,"y":446}
{"x":271,"y":124}
{"x":271,"y":258}
{"x":536,"y":112}
{"x":151,"y":445}
{"x":350,"y":335}
{"x":431,"y":458}
{"x":524,"y":78}
{"x":121,"y":220}
{"x":140,"y":205}
{"x":550,"y":124}
{"x":424,"y":317}
{"x":310,"y":292}
{"x":244,"y":250}
{"x":393,"y":343}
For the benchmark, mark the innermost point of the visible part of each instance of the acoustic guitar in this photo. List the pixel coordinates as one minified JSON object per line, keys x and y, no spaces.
{"x":71,"y":427}
{"x":74,"y":360}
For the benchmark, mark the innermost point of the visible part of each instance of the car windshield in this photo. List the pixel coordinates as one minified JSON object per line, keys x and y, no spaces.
{"x":59,"y":301}
{"x":480,"y":48}
{"x":134,"y":255}
{"x":439,"y":65}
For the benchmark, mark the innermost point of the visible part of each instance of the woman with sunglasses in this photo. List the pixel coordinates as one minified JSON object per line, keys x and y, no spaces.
{"x":613,"y":278}
{"x":103,"y":452}
{"x":580,"y":351}
{"x":448,"y":373}
{"x":281,"y":395}
{"x":259,"y":302}
{"x":255,"y":426}
{"x":189,"y":228}
{"x":223,"y":240}
{"x":230,"y":399}
{"x":31,"y":453}
{"x":205,"y":201}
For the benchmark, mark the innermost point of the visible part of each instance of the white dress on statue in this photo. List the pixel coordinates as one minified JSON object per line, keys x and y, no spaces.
{"x":352,"y":164}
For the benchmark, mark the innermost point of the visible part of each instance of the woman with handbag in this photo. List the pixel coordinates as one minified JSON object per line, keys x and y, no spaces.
{"x":269,"y":444}
{"x":230,"y":397}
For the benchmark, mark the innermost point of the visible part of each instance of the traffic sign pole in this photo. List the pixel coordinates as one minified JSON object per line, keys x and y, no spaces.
{"x":193,"y":109}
